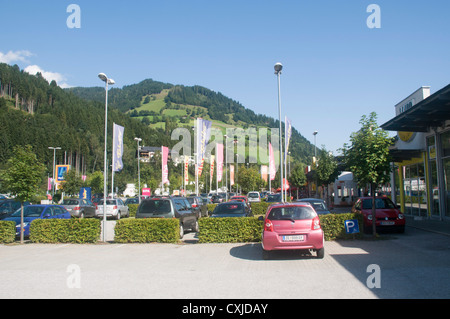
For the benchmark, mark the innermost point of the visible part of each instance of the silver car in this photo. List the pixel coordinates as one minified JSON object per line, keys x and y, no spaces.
{"x":115,"y":208}
{"x":79,"y":207}
{"x":253,"y":197}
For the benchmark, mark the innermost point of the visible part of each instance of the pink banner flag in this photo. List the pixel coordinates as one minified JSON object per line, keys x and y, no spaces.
{"x":219,"y":155}
{"x":186,"y":170}
{"x":211,"y":173}
{"x":231,"y":174}
{"x":165,"y":169}
{"x":272,"y":168}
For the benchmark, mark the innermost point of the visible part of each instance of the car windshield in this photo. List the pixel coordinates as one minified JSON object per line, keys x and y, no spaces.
{"x":253,"y":195}
{"x":29,"y":211}
{"x":274,"y":198}
{"x":231,"y":208}
{"x":70,"y":202}
{"x":317,"y":205}
{"x":155,"y":206}
{"x":380,"y":203}
{"x":291,"y":213}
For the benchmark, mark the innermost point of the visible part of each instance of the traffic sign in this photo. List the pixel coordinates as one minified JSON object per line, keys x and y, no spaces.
{"x":351,"y":226}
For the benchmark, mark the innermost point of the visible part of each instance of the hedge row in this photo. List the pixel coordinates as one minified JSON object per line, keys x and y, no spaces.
{"x":333,"y":225}
{"x":229,"y":230}
{"x":78,"y":231}
{"x":147,"y":230}
{"x":7,"y":232}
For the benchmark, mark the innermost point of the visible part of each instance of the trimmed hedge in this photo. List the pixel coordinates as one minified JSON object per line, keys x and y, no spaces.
{"x":7,"y":232}
{"x":230,"y":230}
{"x":249,"y":229}
{"x":147,"y":230}
{"x":74,"y":230}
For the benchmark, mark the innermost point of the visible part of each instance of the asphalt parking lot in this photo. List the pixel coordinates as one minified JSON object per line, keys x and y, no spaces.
{"x":411,"y":265}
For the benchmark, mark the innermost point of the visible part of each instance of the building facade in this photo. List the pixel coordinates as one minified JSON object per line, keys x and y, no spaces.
{"x":421,"y":154}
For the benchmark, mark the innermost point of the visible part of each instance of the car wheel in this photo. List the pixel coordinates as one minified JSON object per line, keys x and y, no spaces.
{"x":82,"y":215}
{"x":118,"y":215}
{"x":181,"y":231}
{"x":320,"y":252}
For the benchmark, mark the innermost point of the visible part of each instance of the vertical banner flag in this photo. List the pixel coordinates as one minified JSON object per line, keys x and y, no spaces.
{"x":211,"y":173}
{"x":186,"y":170}
{"x":117,"y":147}
{"x":231,"y":175}
{"x":272,"y":168}
{"x":219,"y":151}
{"x":203,"y":135}
{"x":287,"y":135}
{"x":165,"y":169}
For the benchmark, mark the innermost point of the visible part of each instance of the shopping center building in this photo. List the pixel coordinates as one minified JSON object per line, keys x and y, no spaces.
{"x":421,"y":154}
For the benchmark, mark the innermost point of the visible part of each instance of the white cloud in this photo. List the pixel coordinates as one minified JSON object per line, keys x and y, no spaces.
{"x":49,"y":76}
{"x":15,"y":56}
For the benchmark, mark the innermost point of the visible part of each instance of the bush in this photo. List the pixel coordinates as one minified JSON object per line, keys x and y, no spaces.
{"x":132,"y":209}
{"x":230,"y":230}
{"x":74,"y":230}
{"x":7,"y":232}
{"x":148,"y":230}
{"x":333,"y":226}
{"x":259,"y":208}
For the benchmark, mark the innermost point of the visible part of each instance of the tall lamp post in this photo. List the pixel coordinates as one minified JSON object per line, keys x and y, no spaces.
{"x":278,"y":67}
{"x":107,"y":81}
{"x":138,"y":139}
{"x":315,"y":149}
{"x":53,"y":179}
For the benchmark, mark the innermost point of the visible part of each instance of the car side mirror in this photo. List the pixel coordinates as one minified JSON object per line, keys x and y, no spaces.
{"x":261,"y":218}
{"x":47,"y":215}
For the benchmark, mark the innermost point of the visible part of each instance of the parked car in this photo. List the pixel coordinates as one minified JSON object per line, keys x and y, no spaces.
{"x":32,"y":212}
{"x":388,"y":215}
{"x":198,"y":206}
{"x":216,"y":199}
{"x":319,"y":205}
{"x":114,"y":208}
{"x":274,"y":198}
{"x":253,"y":197}
{"x":175,"y":207}
{"x":9,"y":206}
{"x":240,"y":198}
{"x":232,"y":209}
{"x":292,"y":226}
{"x":79,"y":207}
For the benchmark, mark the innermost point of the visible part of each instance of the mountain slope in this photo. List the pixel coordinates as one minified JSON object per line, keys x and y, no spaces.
{"x":156,"y":104}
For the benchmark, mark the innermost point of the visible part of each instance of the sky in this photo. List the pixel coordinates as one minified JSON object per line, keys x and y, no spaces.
{"x":340,"y":60}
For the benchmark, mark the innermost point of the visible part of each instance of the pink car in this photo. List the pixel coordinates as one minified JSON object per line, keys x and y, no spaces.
{"x":290,"y":227}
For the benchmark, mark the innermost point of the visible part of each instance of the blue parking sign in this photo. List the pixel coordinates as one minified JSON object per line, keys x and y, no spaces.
{"x":351,"y":226}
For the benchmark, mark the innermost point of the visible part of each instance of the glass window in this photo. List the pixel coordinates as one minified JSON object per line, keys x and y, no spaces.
{"x":292,"y":213}
{"x":445,"y":138}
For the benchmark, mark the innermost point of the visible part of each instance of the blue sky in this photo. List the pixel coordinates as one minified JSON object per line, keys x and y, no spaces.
{"x":336,"y":69}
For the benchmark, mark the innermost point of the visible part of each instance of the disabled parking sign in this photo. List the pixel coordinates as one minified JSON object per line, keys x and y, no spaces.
{"x":351,"y":226}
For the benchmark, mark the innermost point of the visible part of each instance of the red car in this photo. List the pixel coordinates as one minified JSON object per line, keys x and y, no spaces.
{"x":387,"y":214}
{"x":239,"y":198}
{"x":293,"y":226}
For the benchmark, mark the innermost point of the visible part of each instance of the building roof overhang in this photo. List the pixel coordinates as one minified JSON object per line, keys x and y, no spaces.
{"x":429,"y":113}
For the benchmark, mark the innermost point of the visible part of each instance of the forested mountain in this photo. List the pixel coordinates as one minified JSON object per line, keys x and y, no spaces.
{"x":34,"y":112}
{"x":156,"y":102}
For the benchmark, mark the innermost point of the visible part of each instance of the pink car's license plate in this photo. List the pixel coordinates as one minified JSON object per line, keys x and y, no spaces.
{"x":293,"y":238}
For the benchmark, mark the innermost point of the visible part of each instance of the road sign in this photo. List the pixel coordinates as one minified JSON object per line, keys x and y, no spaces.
{"x":351,"y":226}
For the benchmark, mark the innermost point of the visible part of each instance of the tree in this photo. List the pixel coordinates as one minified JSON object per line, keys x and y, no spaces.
{"x":298,"y":177}
{"x":368,"y":156}
{"x":22,"y":176}
{"x":249,"y":179}
{"x":72,"y":183}
{"x":326,"y":170}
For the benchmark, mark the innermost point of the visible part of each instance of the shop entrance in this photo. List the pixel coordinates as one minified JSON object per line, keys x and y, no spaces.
{"x":415,"y":190}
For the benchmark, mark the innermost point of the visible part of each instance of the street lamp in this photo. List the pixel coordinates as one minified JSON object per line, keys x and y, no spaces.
{"x":53,"y":179}
{"x":107,"y":81}
{"x":137,"y":139}
{"x":278,"y":67}
{"x":315,"y":149}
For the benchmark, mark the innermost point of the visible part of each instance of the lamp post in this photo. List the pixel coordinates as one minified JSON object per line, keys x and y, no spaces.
{"x":53,"y":179}
{"x":107,"y":81}
{"x":278,"y":67}
{"x":315,"y":149}
{"x":137,"y":139}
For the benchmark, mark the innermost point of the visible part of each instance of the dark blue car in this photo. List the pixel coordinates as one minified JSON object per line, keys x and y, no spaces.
{"x":33,"y":212}
{"x":232,"y":209}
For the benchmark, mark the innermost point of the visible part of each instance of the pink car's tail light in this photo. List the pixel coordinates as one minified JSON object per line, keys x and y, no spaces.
{"x":315,"y":223}
{"x":268,"y":226}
